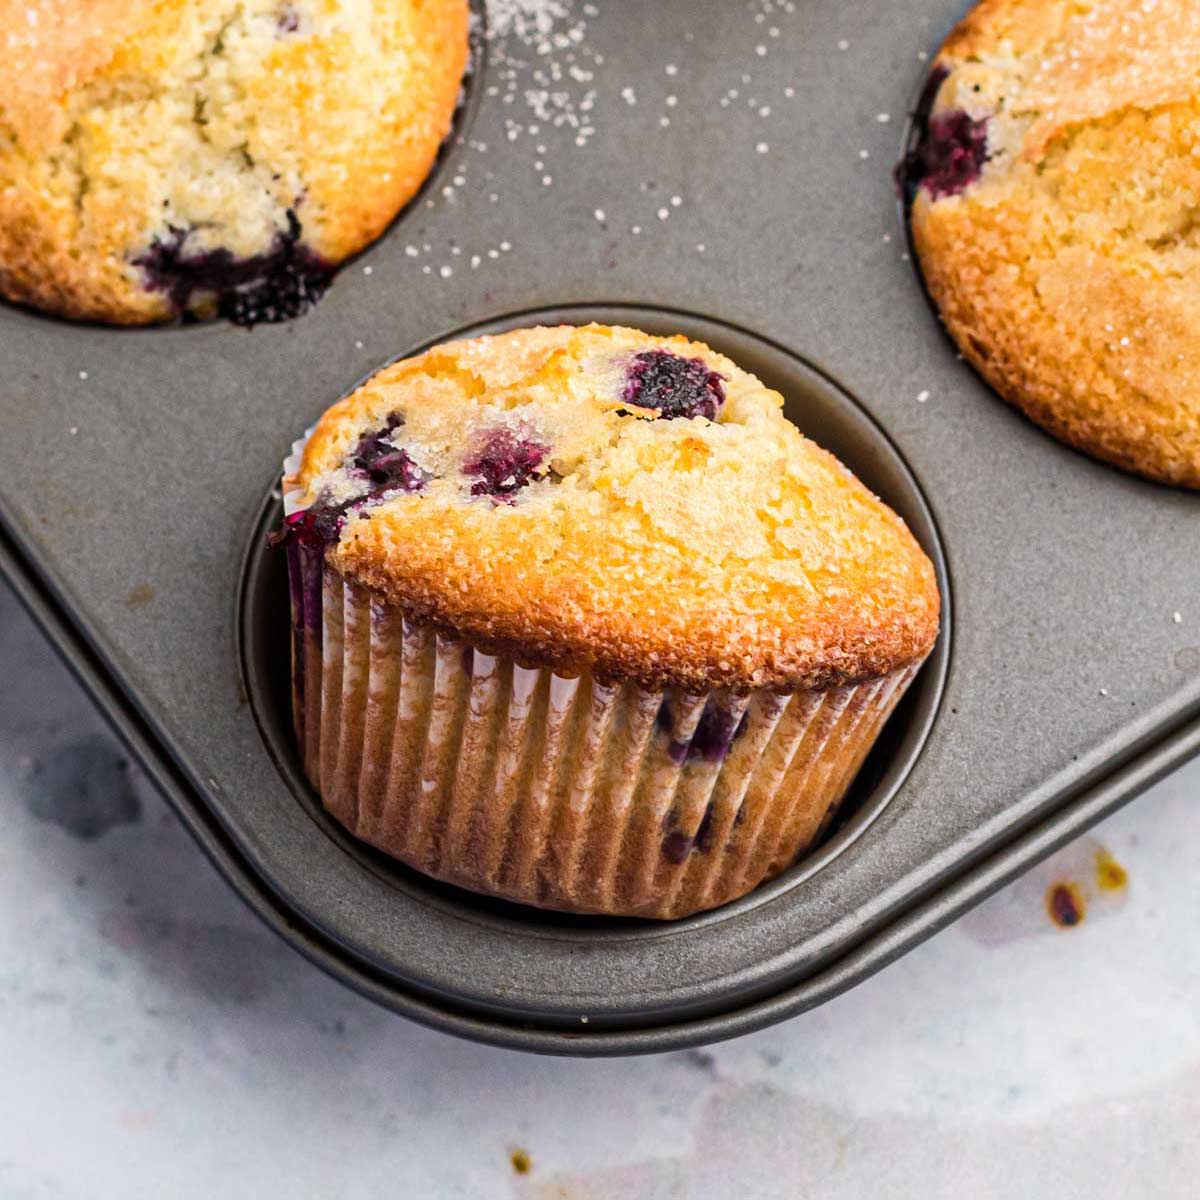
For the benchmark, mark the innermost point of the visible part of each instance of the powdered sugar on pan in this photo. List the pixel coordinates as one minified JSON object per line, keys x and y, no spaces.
{"x":553,"y":89}
{"x":528,"y":19}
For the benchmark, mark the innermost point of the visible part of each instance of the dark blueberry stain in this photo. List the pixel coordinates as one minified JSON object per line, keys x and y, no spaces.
{"x":312,"y":579}
{"x":677,"y":752}
{"x":296,"y":591}
{"x":948,"y":151}
{"x":714,"y":735}
{"x":275,"y":286}
{"x":1065,"y":905}
{"x":504,"y":464}
{"x":673,"y":385}
{"x":85,"y":788}
{"x":677,"y":845}
{"x":716,"y":732}
{"x":288,"y":19}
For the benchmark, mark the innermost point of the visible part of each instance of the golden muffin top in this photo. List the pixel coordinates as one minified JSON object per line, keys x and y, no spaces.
{"x":1056,"y":196}
{"x":599,"y":499}
{"x":154,"y":152}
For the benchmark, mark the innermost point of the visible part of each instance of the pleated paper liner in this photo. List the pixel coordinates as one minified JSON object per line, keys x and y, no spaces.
{"x":565,"y":793}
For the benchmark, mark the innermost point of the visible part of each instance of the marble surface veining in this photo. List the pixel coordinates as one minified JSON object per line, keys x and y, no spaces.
{"x":158,"y":1043}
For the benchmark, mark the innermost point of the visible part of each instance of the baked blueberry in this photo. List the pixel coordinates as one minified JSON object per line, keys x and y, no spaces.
{"x":388,"y":467}
{"x":950,"y":156}
{"x":504,"y":463}
{"x":672,"y":385}
{"x":275,"y":286}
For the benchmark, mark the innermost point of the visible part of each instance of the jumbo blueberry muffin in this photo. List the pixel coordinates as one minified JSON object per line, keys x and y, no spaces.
{"x":170,"y":157}
{"x":581,"y":620}
{"x":1055,"y":201}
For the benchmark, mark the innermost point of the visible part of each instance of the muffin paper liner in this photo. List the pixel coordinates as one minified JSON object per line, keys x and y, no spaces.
{"x":565,"y":793}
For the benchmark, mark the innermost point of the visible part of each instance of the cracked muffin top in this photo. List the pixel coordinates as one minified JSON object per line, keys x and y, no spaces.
{"x":599,"y":499}
{"x":169,"y":157}
{"x":1056,"y":213}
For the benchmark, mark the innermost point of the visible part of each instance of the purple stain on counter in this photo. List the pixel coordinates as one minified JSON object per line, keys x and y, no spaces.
{"x":673,"y":385}
{"x":275,"y":286}
{"x":504,"y":463}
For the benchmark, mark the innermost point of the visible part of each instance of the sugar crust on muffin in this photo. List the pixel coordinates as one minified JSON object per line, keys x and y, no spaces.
{"x":1055,"y":214}
{"x":597,"y":499}
{"x":167,"y":156}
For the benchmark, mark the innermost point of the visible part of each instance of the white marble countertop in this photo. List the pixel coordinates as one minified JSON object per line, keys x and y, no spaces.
{"x":158,"y":1042}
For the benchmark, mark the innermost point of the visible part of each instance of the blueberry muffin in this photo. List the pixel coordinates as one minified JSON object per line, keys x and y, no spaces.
{"x":1055,"y":213}
{"x":170,"y":157}
{"x":581,"y":620}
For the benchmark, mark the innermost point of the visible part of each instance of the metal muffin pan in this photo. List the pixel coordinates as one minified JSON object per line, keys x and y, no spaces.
{"x":132,"y":503}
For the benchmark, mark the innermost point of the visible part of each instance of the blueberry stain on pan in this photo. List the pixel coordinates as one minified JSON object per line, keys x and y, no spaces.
{"x":278,"y":285}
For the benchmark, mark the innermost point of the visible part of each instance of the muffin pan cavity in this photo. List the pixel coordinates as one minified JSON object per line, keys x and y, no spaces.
{"x":823,"y":411}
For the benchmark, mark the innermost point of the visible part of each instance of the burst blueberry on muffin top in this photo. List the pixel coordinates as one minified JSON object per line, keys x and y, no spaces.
{"x":201,"y":158}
